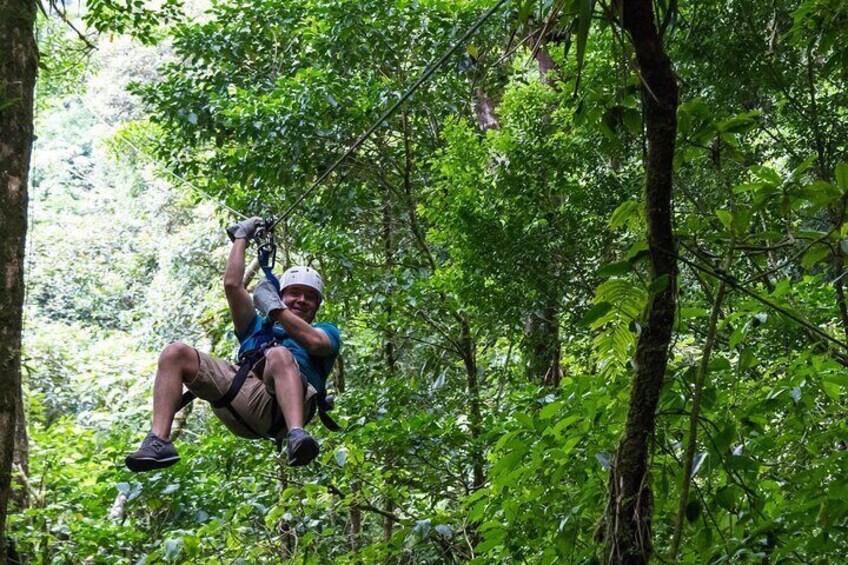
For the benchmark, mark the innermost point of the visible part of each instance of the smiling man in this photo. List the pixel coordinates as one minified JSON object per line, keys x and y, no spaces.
{"x":284,"y":361}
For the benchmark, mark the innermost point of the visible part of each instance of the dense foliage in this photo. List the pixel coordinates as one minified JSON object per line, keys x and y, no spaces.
{"x":486,"y":258}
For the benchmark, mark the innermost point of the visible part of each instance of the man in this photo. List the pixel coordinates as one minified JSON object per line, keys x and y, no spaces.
{"x":289,"y":359}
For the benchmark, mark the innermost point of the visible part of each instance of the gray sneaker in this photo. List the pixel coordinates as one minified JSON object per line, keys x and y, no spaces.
{"x":302,"y":448}
{"x":154,"y":453}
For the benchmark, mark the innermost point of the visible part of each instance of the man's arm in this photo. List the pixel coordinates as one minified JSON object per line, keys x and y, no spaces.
{"x":239,"y":300}
{"x":313,"y":340}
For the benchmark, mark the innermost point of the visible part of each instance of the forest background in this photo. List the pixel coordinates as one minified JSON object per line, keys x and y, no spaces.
{"x":488,"y":262}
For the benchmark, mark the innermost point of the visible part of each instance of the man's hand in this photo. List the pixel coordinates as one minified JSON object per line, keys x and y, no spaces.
{"x":266,"y":299}
{"x":244,"y":229}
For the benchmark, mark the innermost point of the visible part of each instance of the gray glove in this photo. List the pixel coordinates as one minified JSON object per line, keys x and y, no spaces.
{"x":266,"y":299}
{"x":244,"y":229}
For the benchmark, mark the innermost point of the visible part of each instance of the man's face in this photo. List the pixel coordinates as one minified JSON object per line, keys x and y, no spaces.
{"x":302,"y":300}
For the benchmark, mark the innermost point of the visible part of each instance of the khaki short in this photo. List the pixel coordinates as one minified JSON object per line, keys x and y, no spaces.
{"x":255,"y":404}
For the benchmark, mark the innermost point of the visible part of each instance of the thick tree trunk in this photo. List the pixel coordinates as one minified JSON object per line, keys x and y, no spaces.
{"x":628,"y":516}
{"x":18,"y":63}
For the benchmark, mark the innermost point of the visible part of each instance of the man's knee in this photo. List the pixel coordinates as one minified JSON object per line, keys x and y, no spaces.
{"x":279,"y":360}
{"x":180,"y":356}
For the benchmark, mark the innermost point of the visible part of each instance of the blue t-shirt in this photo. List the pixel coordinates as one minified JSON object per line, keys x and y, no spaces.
{"x":316,"y":369}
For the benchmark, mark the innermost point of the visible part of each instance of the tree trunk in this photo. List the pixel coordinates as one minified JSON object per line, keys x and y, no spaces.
{"x":20,"y":459}
{"x":546,"y":63}
{"x":18,"y":64}
{"x":627,"y":531}
{"x":543,"y":348}
{"x":355,"y":527}
{"x":389,"y":351}
{"x":475,"y":417}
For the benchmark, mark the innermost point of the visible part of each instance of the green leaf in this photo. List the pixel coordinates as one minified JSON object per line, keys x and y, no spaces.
{"x":8,"y":103}
{"x":549,"y":410}
{"x":719,"y":363}
{"x":749,"y":187}
{"x":488,"y":544}
{"x":508,"y":461}
{"x":767,"y":174}
{"x":738,"y":336}
{"x":747,"y":359}
{"x":584,"y":22}
{"x":623,"y":213}
{"x":724,"y":438}
{"x":819,"y":193}
{"x":614,"y":269}
{"x":815,"y":254}
{"x":524,"y":419}
{"x":726,"y":218}
{"x":595,"y":312}
{"x":637,"y":251}
{"x":842,"y":176}
{"x":727,"y":496}
{"x":739,"y":123}
{"x":837,"y":379}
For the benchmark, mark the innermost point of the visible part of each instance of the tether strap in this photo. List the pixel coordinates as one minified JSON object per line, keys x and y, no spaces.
{"x":267,"y":254}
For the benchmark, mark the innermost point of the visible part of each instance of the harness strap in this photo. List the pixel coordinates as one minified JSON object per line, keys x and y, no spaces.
{"x":186,"y":399}
{"x":235,"y":386}
{"x":246,"y":364}
{"x":325,"y":404}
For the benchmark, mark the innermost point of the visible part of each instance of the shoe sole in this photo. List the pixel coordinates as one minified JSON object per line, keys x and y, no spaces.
{"x":140,"y":465}
{"x":306,"y":453}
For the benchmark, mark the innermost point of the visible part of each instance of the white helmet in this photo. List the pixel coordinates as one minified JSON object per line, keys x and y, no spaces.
{"x":307,"y":276}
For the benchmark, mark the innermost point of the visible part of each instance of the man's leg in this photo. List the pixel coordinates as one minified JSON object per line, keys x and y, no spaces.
{"x":281,"y":366}
{"x":177,"y":363}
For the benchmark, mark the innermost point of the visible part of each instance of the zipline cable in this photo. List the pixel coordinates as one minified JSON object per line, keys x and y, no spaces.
{"x":774,"y":306}
{"x":431,"y":68}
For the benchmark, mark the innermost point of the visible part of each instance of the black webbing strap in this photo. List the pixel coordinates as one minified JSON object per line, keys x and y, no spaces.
{"x":246,"y":364}
{"x":235,"y":386}
{"x":325,"y":404}
{"x":187,"y":399}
